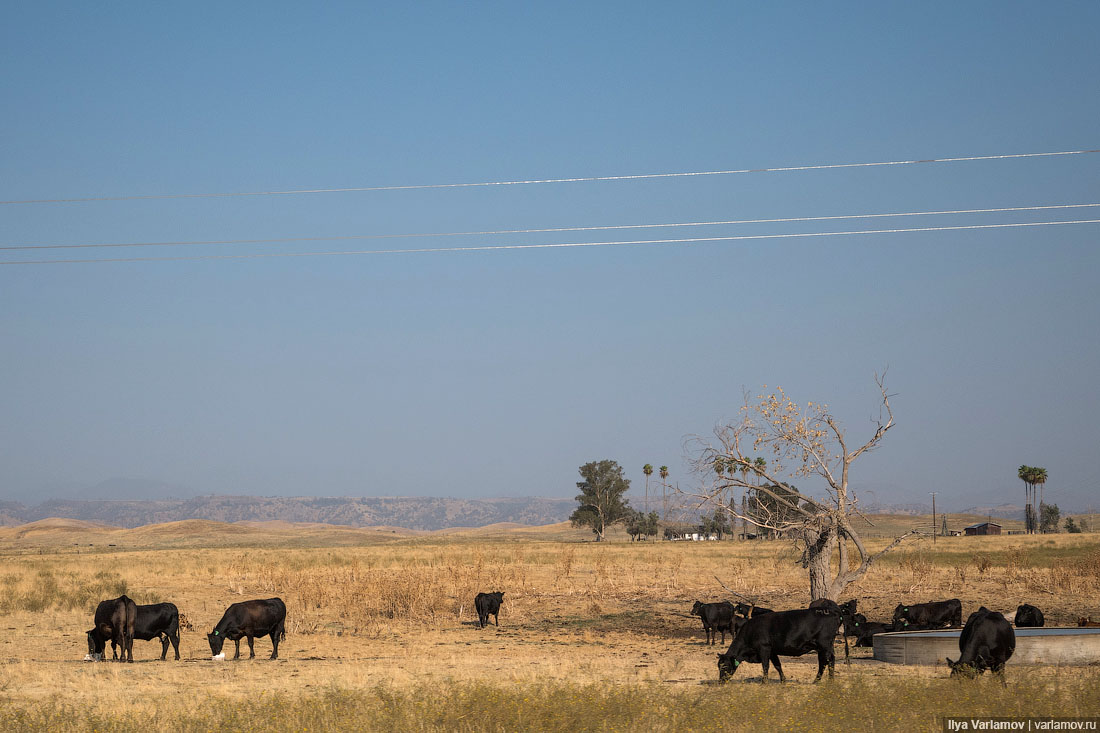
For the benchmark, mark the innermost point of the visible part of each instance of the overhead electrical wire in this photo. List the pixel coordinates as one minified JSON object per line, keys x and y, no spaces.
{"x":495,"y":247}
{"x":578,"y":179}
{"x":350,"y":237}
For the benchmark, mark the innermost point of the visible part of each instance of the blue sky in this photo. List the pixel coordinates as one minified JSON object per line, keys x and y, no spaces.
{"x":498,"y":373}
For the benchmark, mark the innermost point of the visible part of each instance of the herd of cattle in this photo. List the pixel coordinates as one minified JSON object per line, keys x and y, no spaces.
{"x":759,"y":635}
{"x":120,"y":621}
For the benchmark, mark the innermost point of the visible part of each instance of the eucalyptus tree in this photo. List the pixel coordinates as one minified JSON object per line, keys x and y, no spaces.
{"x":601,"y":501}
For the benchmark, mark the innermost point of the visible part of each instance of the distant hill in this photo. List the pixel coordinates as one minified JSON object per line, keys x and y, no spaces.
{"x":427,"y":513}
{"x":1003,"y":511}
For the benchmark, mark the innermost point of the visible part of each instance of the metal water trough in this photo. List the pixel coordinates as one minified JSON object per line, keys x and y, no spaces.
{"x":1047,"y":645}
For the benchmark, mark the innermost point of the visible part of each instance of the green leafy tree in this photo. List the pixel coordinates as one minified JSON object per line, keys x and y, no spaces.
{"x":717,"y":524}
{"x":1049,"y":517}
{"x":601,"y":501}
{"x":1071,"y":526}
{"x":652,"y":522}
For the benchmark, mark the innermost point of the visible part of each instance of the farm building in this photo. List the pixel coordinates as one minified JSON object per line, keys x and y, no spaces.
{"x":982,"y":528}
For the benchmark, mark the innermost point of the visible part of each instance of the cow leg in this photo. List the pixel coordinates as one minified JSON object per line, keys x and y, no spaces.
{"x":778,"y":668}
{"x":114,"y":650}
{"x":847,"y":660}
{"x":276,"y":635}
{"x":825,"y":657}
{"x":765,"y":657}
{"x":163,"y":647}
{"x":128,"y":647}
{"x":175,"y":639}
{"x":251,"y":649}
{"x":238,"y":643}
{"x":496,"y":619}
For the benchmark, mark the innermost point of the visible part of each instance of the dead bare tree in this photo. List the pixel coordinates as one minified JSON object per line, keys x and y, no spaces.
{"x":803,"y":443}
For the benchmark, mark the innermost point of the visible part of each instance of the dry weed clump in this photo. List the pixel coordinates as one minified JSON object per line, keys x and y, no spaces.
{"x":46,"y":589}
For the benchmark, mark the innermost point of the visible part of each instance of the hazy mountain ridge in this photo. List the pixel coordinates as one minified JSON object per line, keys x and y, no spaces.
{"x":422,"y":513}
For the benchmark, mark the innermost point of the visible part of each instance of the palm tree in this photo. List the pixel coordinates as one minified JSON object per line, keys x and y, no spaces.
{"x":1024,"y":474}
{"x":647,"y":469}
{"x":1040,"y":478}
{"x":664,"y":487}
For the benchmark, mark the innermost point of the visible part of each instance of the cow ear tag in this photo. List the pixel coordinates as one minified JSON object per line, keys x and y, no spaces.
{"x":215,"y":632}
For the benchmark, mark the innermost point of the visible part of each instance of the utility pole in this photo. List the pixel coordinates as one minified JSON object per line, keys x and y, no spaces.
{"x":935,"y":529}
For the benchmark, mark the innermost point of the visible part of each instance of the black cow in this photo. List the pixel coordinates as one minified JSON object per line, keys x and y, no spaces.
{"x":488,"y":603}
{"x":250,"y":619}
{"x":846,"y":609}
{"x":156,"y":621}
{"x":114,"y":621}
{"x":1028,"y":615}
{"x":865,"y":630}
{"x":790,"y":633}
{"x":717,"y":617}
{"x":987,"y":642}
{"x":747,"y":611}
{"x":935,"y":615}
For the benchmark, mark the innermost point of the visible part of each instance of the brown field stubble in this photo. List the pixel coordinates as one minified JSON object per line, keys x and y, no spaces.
{"x":593,"y":636}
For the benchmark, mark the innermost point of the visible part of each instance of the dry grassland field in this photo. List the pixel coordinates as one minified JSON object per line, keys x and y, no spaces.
{"x":381,"y":630}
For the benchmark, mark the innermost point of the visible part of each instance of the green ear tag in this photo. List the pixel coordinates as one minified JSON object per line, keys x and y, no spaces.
{"x":907,"y":610}
{"x":215,"y":632}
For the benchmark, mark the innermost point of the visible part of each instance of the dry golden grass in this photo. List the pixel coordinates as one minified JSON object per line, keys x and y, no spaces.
{"x":381,"y":625}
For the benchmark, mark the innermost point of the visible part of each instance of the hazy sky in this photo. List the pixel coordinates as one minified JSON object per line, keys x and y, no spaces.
{"x":498,"y":373}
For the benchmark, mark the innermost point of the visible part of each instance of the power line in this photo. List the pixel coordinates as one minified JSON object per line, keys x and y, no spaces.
{"x":349,"y":237}
{"x":579,"y":179}
{"x":559,"y":245}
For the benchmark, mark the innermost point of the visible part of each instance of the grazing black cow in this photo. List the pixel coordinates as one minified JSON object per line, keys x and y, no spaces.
{"x":250,"y":619}
{"x":790,"y":633}
{"x":935,"y":615}
{"x":865,"y":630}
{"x":987,"y":642}
{"x":1028,"y":615}
{"x":746,"y":611}
{"x":114,"y":621}
{"x":159,"y":621}
{"x":156,"y":621}
{"x":717,"y":617}
{"x":488,"y":603}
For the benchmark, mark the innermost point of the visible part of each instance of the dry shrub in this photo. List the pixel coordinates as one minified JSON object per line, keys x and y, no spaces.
{"x":66,"y":591}
{"x":919,"y":566}
{"x":983,"y":562}
{"x":960,"y":574}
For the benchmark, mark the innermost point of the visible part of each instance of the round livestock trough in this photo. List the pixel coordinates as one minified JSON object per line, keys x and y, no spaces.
{"x":1044,"y":645}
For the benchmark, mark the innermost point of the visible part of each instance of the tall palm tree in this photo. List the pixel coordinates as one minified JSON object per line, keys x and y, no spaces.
{"x":647,"y":469}
{"x":1029,"y":474}
{"x":1040,"y":478}
{"x":664,"y":491}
